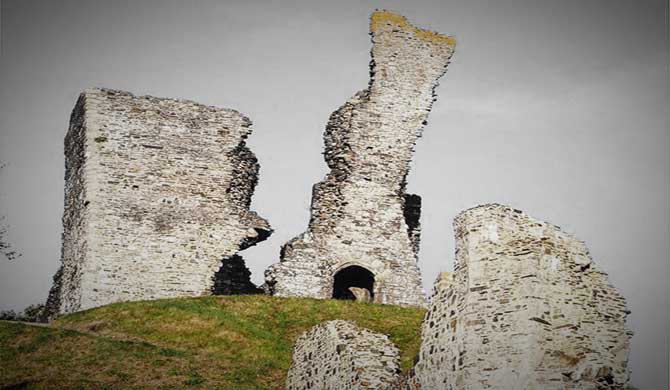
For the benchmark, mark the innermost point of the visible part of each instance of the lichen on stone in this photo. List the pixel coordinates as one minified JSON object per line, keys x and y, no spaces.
{"x":380,"y":18}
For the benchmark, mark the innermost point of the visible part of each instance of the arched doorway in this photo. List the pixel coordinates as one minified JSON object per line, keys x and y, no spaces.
{"x":352,"y":276}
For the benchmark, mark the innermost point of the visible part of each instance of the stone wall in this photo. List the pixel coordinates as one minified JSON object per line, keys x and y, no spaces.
{"x":526,"y":308}
{"x":157,"y":195}
{"x":338,"y":355}
{"x":360,"y":214}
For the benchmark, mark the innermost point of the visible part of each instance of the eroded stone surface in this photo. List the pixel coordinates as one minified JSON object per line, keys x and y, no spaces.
{"x":526,"y":308}
{"x":157,"y":193}
{"x":361,"y":294}
{"x":338,"y":355}
{"x":360,"y":214}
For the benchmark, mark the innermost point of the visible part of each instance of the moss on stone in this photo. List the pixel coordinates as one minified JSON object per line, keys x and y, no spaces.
{"x":382,"y":17}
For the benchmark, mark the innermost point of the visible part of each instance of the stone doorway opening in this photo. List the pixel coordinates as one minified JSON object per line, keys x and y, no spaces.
{"x":353,"y":276}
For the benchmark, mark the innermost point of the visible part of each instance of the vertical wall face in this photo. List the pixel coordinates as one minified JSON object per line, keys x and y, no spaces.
{"x":68,"y":278}
{"x":359,"y":213}
{"x":526,"y":309}
{"x":156,"y":196}
{"x":337,"y":355}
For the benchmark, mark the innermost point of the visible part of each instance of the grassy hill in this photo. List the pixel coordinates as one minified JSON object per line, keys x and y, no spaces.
{"x":232,"y":342}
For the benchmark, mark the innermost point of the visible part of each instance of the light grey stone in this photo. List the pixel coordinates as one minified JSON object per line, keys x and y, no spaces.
{"x":360,"y":213}
{"x":338,"y":355}
{"x":526,"y":308}
{"x":157,"y":195}
{"x":361,"y":294}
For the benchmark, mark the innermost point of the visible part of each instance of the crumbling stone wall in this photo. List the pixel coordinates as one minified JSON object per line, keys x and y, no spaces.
{"x":360,"y":214}
{"x":157,"y":194}
{"x":338,"y":355}
{"x":526,"y":308}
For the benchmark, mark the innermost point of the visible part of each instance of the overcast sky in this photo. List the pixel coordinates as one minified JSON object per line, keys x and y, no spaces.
{"x":554,"y":107}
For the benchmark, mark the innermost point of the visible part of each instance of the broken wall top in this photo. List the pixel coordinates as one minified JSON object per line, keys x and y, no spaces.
{"x":159,"y":141}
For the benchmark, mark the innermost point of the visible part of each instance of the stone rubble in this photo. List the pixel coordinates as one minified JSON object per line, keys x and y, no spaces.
{"x":338,"y":355}
{"x":157,"y":195}
{"x":361,"y":294}
{"x":360,"y":213}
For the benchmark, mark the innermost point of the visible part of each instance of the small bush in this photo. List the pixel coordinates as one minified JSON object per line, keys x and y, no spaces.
{"x":31,"y":313}
{"x":8,"y":315}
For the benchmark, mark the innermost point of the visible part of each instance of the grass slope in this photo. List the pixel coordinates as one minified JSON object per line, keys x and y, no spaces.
{"x":234,"y":342}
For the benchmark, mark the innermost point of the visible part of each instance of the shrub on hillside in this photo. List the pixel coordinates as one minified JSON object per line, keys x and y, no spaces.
{"x":31,"y":313}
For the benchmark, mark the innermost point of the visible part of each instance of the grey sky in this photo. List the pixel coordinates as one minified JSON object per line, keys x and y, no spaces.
{"x":554,"y":107}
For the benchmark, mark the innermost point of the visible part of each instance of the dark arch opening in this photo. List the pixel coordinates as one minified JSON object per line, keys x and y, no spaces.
{"x":352,"y":276}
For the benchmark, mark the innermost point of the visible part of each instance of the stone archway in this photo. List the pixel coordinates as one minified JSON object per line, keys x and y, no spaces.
{"x":352,"y":276}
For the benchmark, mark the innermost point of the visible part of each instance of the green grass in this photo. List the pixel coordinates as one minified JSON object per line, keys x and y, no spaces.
{"x":233,"y":342}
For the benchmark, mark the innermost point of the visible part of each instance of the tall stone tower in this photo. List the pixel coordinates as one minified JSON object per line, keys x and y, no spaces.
{"x":526,"y":308}
{"x":157,"y":195}
{"x":364,"y":229}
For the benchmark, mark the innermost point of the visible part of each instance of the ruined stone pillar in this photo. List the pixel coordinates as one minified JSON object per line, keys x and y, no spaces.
{"x":360,"y":213}
{"x":526,"y":308}
{"x":157,"y":195}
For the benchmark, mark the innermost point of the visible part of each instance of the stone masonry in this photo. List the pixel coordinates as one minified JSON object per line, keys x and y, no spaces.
{"x":157,"y":195}
{"x":526,"y":308}
{"x":338,"y":355}
{"x":360,"y":213}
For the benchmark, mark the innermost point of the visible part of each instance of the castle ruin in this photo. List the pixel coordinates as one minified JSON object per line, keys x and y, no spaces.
{"x":525,"y":308}
{"x":157,"y":196}
{"x":364,"y":229}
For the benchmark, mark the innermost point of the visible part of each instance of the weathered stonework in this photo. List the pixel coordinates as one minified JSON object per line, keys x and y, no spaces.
{"x":338,"y":355}
{"x":360,"y":214}
{"x":157,"y":195}
{"x":526,"y":309}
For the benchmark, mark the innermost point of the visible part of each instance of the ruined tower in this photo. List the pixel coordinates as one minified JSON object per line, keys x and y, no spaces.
{"x":157,"y":195}
{"x":526,"y":308}
{"x":364,"y":229}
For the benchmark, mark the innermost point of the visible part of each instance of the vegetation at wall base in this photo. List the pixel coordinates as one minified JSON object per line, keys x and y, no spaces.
{"x":218,"y":342}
